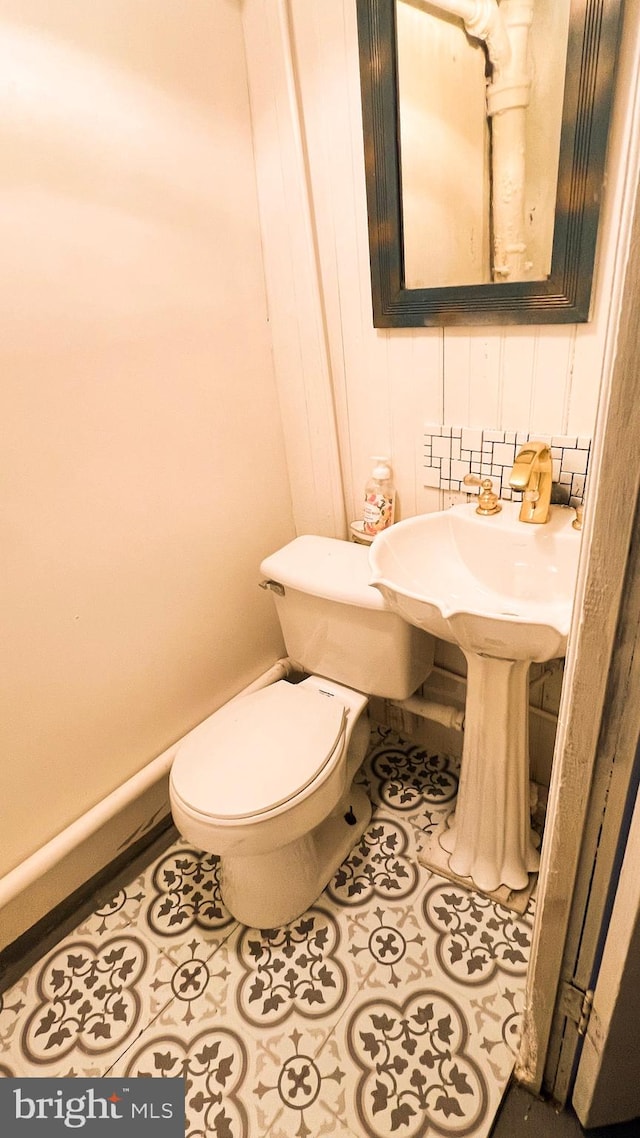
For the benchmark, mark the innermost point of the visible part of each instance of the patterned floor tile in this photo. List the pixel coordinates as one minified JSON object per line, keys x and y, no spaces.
{"x":292,"y":972}
{"x":12,"y":1009}
{"x":496,"y":1018}
{"x":387,"y":948}
{"x":453,"y":1080}
{"x":192,"y":985}
{"x":298,"y":1092}
{"x":177,"y":893}
{"x":78,"y":1008}
{"x":239,"y":1087}
{"x":213,"y":1061}
{"x":382,"y":867}
{"x":182,"y":900}
{"x":475,"y":939}
{"x":410,"y":1067}
{"x":116,"y":914}
{"x":393,"y":1005}
{"x":312,"y":1093}
{"x":406,"y":779}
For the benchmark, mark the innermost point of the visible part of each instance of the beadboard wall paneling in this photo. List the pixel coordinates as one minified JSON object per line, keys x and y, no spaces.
{"x":386,"y":384}
{"x":296,"y":301}
{"x":381,"y":378}
{"x":324,"y":42}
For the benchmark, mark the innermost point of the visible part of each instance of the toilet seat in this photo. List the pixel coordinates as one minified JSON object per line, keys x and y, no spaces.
{"x":257,"y":753}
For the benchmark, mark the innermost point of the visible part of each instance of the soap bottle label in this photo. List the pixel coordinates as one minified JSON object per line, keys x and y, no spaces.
{"x":378,"y":512}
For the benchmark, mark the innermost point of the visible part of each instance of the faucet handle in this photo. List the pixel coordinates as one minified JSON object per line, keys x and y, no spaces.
{"x":487,"y":499}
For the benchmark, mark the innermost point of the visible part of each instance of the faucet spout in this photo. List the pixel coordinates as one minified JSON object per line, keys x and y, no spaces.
{"x":521,"y":472}
{"x":532,"y":473}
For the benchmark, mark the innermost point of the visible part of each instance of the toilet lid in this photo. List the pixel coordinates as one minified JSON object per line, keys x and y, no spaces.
{"x":258,"y":751}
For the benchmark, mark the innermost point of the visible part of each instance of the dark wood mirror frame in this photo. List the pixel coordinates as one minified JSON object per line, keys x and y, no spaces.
{"x":563,"y":297}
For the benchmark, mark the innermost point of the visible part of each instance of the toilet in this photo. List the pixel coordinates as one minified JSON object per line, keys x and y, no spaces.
{"x":266,"y":782}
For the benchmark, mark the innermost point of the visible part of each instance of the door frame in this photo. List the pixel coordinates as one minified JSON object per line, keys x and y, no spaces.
{"x":611,"y":803}
{"x":606,"y":1088}
{"x":597,"y":724}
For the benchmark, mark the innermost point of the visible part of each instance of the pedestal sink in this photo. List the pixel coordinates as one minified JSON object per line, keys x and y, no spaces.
{"x":503,"y":591}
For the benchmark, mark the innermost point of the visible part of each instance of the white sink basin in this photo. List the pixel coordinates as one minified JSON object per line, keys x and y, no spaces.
{"x":503,"y":591}
{"x":494,"y":584}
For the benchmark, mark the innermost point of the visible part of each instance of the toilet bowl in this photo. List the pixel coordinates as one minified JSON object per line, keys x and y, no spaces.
{"x":266,"y":782}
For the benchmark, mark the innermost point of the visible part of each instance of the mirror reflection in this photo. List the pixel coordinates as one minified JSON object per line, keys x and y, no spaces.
{"x":480,"y":88}
{"x":499,"y":224}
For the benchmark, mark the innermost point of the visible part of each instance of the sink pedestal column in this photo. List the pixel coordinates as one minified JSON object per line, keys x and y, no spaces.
{"x":490,"y":838}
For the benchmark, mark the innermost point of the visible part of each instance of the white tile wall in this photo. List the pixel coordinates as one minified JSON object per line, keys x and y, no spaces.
{"x":451,"y":452}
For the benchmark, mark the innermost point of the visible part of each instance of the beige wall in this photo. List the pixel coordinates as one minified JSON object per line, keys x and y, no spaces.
{"x":144,"y":471}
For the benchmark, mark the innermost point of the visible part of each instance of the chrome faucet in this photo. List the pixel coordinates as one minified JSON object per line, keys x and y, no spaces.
{"x":532,"y":473}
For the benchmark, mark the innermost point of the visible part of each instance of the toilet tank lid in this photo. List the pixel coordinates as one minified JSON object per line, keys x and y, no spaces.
{"x":325,"y":567}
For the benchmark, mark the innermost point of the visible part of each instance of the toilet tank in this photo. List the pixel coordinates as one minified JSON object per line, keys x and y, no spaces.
{"x":336,"y":625}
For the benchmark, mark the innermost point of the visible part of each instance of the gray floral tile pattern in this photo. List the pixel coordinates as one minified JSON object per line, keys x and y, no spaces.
{"x":116,"y":913}
{"x":214,"y":1066}
{"x":409,"y":782}
{"x":87,"y":999}
{"x":192,"y":985}
{"x":302,"y":1086}
{"x":475,"y":938}
{"x":496,"y":1018}
{"x":291,"y":969}
{"x":381,"y":865}
{"x":392,"y":1006}
{"x":388,"y":947}
{"x":78,"y":1009}
{"x":186,"y":894}
{"x":415,"y":1067}
{"x":12,"y":1006}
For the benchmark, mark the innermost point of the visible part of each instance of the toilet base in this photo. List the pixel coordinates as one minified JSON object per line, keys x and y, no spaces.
{"x":267,"y":890}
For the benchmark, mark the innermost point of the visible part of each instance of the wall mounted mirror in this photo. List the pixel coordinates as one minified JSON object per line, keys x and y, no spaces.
{"x":485,"y":132}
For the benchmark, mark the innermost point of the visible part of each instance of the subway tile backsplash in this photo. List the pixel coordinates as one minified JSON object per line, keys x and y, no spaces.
{"x":451,"y":452}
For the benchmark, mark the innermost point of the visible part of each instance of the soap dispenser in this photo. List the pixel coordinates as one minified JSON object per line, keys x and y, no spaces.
{"x":379,"y":498}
